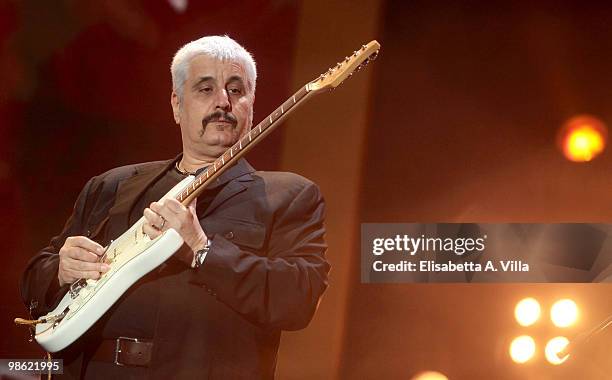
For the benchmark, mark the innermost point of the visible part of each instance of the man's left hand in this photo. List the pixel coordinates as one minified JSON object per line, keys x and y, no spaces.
{"x":170,"y":213}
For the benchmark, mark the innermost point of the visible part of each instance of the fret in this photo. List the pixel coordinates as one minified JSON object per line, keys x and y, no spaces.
{"x":259,"y":128}
{"x":282,"y":111}
{"x":270,"y":123}
{"x":293,"y":99}
{"x":240,"y":141}
{"x":222,"y":160}
{"x":207,"y":174}
{"x":231,"y":152}
{"x":249,"y":137}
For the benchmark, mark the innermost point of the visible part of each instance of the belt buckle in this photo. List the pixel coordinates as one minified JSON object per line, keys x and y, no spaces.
{"x":118,"y":348}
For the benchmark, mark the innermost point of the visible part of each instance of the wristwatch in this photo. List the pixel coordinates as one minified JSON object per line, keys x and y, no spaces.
{"x":200,"y":255}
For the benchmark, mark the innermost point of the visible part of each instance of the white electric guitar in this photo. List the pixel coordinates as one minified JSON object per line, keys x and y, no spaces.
{"x":134,"y":254}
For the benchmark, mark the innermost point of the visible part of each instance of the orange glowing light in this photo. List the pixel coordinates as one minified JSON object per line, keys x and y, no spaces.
{"x":527,"y":311}
{"x":583,"y":138}
{"x":522,"y":349}
{"x":429,"y":375}
{"x":564,"y":313}
{"x":553,"y":347}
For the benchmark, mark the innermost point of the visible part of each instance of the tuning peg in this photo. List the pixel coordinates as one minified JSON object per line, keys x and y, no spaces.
{"x":363,"y":47}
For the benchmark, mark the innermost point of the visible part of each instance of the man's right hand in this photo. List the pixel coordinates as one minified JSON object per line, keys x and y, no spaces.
{"x":79,"y":259}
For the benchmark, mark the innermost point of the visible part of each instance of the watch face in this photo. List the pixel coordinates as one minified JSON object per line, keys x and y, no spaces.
{"x":201,"y":254}
{"x":200,"y":258}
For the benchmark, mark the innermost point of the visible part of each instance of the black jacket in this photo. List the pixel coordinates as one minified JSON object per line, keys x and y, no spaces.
{"x":266,"y":270}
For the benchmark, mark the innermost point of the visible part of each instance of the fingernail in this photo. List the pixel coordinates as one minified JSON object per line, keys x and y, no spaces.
{"x":105,"y":267}
{"x":100,"y":250}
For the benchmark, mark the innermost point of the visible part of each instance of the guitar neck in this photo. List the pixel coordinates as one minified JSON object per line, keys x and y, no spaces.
{"x":252,"y":138}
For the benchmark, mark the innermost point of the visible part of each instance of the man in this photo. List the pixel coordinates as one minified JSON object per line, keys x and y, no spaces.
{"x":253,"y":260}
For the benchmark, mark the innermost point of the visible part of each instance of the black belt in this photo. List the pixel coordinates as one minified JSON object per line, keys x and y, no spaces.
{"x":125,"y":352}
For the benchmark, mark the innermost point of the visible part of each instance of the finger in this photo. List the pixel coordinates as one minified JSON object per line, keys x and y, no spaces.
{"x":84,"y":266}
{"x":192,"y":209}
{"x":70,"y":275}
{"x":157,"y":206}
{"x":77,"y":253}
{"x":153,"y":218}
{"x":173,"y":220}
{"x":192,"y":205}
{"x":165,"y":211}
{"x":94,"y":275}
{"x":150,"y":231}
{"x":83,"y":242}
{"x":174,"y":205}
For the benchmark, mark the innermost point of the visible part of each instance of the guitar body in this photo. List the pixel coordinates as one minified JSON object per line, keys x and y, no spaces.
{"x":131,"y":256}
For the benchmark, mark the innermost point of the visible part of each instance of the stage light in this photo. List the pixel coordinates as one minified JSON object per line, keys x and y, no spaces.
{"x":429,"y":375}
{"x":564,"y":313}
{"x":554,"y":346}
{"x":527,"y":311}
{"x":582,"y":138}
{"x":522,"y":349}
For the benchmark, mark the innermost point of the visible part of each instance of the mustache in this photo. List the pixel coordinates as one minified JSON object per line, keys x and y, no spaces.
{"x":220,"y":115}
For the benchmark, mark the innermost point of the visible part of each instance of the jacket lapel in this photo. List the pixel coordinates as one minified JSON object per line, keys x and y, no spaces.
{"x":234,"y":180}
{"x":129,"y":192}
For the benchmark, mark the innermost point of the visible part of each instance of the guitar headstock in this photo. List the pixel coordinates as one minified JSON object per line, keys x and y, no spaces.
{"x":351,"y":64}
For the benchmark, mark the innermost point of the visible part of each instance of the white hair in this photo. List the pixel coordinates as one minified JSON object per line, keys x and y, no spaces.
{"x":219,"y":47}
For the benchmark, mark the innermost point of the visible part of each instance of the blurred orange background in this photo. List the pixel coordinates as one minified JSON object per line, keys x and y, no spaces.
{"x":456,"y":120}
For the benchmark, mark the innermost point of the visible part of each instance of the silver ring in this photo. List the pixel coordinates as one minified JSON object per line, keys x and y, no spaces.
{"x":163,"y":223}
